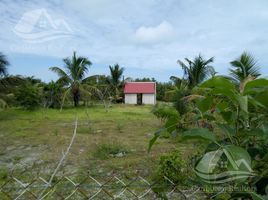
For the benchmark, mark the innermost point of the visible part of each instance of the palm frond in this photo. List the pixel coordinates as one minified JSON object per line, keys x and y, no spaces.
{"x":244,"y":66}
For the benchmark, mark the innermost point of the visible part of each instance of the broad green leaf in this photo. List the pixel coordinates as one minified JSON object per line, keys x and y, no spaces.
{"x":218,"y":82}
{"x":222,"y":106}
{"x":209,"y":161}
{"x":253,"y":86}
{"x":243,"y":103}
{"x":262,"y":98}
{"x":228,"y":116}
{"x":156,"y":136}
{"x":205,"y":104}
{"x":239,"y":158}
{"x":227,"y":130}
{"x":171,"y":124}
{"x":199,"y":133}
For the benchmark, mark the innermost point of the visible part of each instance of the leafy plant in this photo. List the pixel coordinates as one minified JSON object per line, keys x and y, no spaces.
{"x":163,"y":112}
{"x":171,"y":170}
{"x":28,"y":96}
{"x":237,"y":133}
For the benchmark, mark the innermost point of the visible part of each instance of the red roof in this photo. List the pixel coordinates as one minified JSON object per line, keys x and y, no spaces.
{"x":139,"y":87}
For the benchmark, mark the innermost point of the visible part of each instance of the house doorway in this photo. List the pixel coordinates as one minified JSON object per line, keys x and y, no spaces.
{"x":139,"y":99}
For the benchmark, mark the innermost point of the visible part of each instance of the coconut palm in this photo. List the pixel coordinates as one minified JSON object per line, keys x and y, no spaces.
{"x":114,"y":79}
{"x":3,"y":64}
{"x":244,"y":66}
{"x":197,"y":71}
{"x":73,"y":76}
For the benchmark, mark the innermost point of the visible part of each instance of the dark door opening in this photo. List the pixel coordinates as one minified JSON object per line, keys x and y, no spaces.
{"x":139,"y":99}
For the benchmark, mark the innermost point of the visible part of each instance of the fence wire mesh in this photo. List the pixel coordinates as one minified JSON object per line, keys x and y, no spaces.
{"x":28,"y":185}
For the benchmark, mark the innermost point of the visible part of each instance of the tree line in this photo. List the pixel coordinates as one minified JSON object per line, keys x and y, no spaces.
{"x":73,"y":84}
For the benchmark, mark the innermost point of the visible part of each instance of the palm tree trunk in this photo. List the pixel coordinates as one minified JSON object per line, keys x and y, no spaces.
{"x":76,"y":97}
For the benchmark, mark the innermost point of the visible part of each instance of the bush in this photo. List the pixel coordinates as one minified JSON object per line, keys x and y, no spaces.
{"x":164,"y":112}
{"x":171,"y":168}
{"x":28,"y":96}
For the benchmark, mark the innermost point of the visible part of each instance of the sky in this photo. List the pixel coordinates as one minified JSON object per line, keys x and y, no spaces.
{"x":146,"y":37}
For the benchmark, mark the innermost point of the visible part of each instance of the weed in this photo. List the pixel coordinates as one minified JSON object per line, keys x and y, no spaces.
{"x":105,"y":151}
{"x":3,"y":173}
{"x":120,"y":127}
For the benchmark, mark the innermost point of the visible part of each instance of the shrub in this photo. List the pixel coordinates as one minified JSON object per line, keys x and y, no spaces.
{"x":28,"y":96}
{"x":164,"y":112}
{"x":171,"y":168}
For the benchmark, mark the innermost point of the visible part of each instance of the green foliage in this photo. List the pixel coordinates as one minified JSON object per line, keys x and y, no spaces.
{"x":163,"y":112}
{"x":244,"y":66}
{"x":197,"y":70}
{"x":171,"y":169}
{"x":172,"y":166}
{"x":161,"y":89}
{"x":3,"y":173}
{"x":28,"y":96}
{"x":73,"y":76}
{"x":199,"y":133}
{"x":115,"y":82}
{"x":52,"y":94}
{"x":237,"y":132}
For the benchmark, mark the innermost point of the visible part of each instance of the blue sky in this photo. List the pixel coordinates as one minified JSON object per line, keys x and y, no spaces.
{"x":146,"y":37}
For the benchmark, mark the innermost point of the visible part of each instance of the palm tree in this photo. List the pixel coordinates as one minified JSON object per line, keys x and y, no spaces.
{"x":244,"y":66}
{"x":73,"y":76}
{"x":3,"y":64}
{"x":197,"y":71}
{"x":114,"y":79}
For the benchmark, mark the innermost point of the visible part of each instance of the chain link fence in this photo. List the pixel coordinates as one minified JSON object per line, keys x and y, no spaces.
{"x":27,"y":185}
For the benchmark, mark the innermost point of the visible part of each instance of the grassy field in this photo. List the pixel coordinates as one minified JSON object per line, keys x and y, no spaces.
{"x":113,"y":141}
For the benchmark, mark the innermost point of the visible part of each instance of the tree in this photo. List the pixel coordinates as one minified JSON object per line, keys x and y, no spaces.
{"x":196,"y":71}
{"x":28,"y":96}
{"x":73,"y":76}
{"x":52,"y":93}
{"x":114,"y":79}
{"x":3,"y":64}
{"x":244,"y":66}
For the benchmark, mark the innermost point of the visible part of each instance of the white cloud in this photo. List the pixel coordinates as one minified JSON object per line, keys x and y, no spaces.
{"x":145,"y":34}
{"x":162,"y":32}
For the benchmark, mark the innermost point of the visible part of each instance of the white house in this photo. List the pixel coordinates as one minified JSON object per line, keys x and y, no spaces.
{"x":140,"y":93}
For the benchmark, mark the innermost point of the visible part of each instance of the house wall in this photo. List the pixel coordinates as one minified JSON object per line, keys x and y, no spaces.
{"x":148,"y":99}
{"x":130,"y":98}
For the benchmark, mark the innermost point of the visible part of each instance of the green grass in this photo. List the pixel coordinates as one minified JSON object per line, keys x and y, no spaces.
{"x":108,"y":150}
{"x":40,"y":136}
